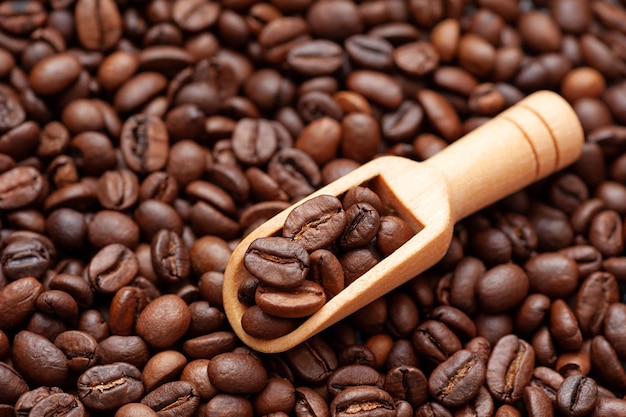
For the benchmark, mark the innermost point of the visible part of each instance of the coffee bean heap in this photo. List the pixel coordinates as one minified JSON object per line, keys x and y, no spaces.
{"x":140,"y":140}
{"x":326,"y":244}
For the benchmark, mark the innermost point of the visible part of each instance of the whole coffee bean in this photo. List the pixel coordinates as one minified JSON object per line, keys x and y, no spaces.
{"x":362,"y":401}
{"x":605,"y":233}
{"x":163,"y":321}
{"x":98,"y":24}
{"x":125,"y":306}
{"x":14,"y":387}
{"x":19,"y":187}
{"x":129,"y":349}
{"x":335,"y":20}
{"x":432,"y":409}
{"x":109,"y":227}
{"x":295,"y":172}
{"x":316,"y":223}
{"x":207,"y":346}
{"x":577,"y":396}
{"x":176,"y":398}
{"x":80,"y":349}
{"x":315,"y":58}
{"x":489,"y":288}
{"x":531,"y":313}
{"x":276,"y":399}
{"x":596,"y":293}
{"x":18,"y":302}
{"x":360,"y":137}
{"x":277,"y":262}
{"x":613,"y":320}
{"x":440,"y":113}
{"x":362,"y":223}
{"x":254,"y":141}
{"x":351,"y":376}
{"x":298,"y":302}
{"x":407,"y":383}
{"x":370,"y":52}
{"x":455,"y":319}
{"x":38,"y":360}
{"x":113,"y":267}
{"x":435,"y":341}
{"x":378,"y":87}
{"x":144,"y":143}
{"x":457,"y":380}
{"x":135,"y":409}
{"x":170,"y":257}
{"x":54,"y":73}
{"x":107,"y":387}
{"x":118,"y":190}
{"x":537,"y":402}
{"x":312,"y":360}
{"x":392,"y":233}
{"x":195,"y":372}
{"x":320,"y":139}
{"x":325,"y":269}
{"x":417,"y":58}
{"x":309,"y":403}
{"x":237,"y":373}
{"x":59,"y":403}
{"x":510,"y":368}
{"x":564,"y":326}
{"x":223,"y":405}
{"x":57,"y":303}
{"x":552,"y":274}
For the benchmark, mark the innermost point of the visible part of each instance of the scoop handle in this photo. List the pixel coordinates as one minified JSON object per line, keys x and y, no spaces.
{"x":538,"y":136}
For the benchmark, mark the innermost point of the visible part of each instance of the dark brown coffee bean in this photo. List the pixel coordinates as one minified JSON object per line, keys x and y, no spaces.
{"x":129,"y":349}
{"x":325,"y":269}
{"x":457,"y":380}
{"x":392,"y":233}
{"x":440,"y":113}
{"x":370,"y":52}
{"x":163,"y":321}
{"x":336,"y":20}
{"x":276,"y":399}
{"x":222,"y":405}
{"x":207,"y":346}
{"x":277,"y":262}
{"x":605,"y":233}
{"x":18,"y":302}
{"x":362,"y":223}
{"x":118,"y":190}
{"x":38,"y":360}
{"x":537,"y":402}
{"x":237,"y":373}
{"x":170,"y":257}
{"x":98,"y":24}
{"x":353,"y":375}
{"x":564,"y":326}
{"x":107,"y":387}
{"x":59,"y":403}
{"x":295,"y":172}
{"x":435,"y":341}
{"x":54,"y":73}
{"x":145,"y":144}
{"x":113,"y":267}
{"x":176,"y":398}
{"x":597,"y":292}
{"x":407,"y":383}
{"x":135,"y":409}
{"x":562,"y":279}
{"x":362,"y":401}
{"x":80,"y":349}
{"x":14,"y":387}
{"x":577,"y":395}
{"x":376,"y":86}
{"x":416,"y":58}
{"x":258,"y":324}
{"x":315,"y":58}
{"x":316,"y":223}
{"x":298,"y":302}
{"x":510,"y":368}
{"x":488,"y":288}
{"x":312,"y":360}
{"x":309,"y":403}
{"x":19,"y":187}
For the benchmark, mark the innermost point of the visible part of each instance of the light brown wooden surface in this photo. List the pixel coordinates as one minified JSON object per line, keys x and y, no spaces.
{"x":529,"y":141}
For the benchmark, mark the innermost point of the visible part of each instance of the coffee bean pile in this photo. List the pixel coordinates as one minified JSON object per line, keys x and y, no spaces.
{"x":141,"y":140}
{"x":326,"y":244}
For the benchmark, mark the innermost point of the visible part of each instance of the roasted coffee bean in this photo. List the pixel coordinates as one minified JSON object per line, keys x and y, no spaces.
{"x":173,"y":399}
{"x":80,"y":349}
{"x":144,"y":143}
{"x":310,"y":403}
{"x":362,"y":223}
{"x":407,"y":383}
{"x":457,"y":380}
{"x":170,"y":257}
{"x":298,"y":302}
{"x":113,"y":267}
{"x":605,"y":233}
{"x":19,"y":187}
{"x":163,"y":321}
{"x":118,"y":190}
{"x":316,"y":223}
{"x":488,"y":288}
{"x":552,"y":274}
{"x":435,"y":341}
{"x":38,"y":360}
{"x":362,"y":401}
{"x":107,"y":387}
{"x":98,"y":25}
{"x":315,"y":58}
{"x":237,"y":373}
{"x":577,"y":395}
{"x":18,"y":302}
{"x":312,"y":360}
{"x":597,"y":292}
{"x":351,"y":376}
{"x":510,"y":368}
{"x":537,"y":402}
{"x":277,"y":262}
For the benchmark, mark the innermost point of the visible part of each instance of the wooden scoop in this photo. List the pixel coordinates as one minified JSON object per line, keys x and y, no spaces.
{"x":536,"y":137}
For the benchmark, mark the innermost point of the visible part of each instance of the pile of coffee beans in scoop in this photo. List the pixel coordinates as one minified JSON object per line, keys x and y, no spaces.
{"x":140,"y":141}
